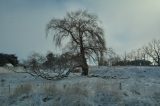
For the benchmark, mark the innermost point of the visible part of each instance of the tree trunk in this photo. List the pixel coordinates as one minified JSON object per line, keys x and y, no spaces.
{"x":84,"y":64}
{"x":85,"y":70}
{"x":101,"y":59}
{"x":158,"y":61}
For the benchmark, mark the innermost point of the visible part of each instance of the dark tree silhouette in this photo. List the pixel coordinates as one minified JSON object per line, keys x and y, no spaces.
{"x":8,"y":58}
{"x":49,"y":63}
{"x":86,"y":37}
{"x":153,"y":50}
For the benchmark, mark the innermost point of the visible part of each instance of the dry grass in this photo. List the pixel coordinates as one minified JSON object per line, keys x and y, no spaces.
{"x":50,"y":90}
{"x":156,"y":97}
{"x":22,"y":89}
{"x":77,"y":90}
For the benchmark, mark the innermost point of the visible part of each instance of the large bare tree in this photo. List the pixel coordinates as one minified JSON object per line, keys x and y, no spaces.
{"x":153,"y":50}
{"x":86,"y":37}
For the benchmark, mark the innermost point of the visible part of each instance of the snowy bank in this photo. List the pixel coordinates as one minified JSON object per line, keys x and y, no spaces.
{"x":106,"y":86}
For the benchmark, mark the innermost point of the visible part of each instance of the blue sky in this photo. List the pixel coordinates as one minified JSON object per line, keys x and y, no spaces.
{"x":128,"y":24}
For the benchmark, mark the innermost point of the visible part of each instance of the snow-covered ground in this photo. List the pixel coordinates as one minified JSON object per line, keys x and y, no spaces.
{"x":105,"y":86}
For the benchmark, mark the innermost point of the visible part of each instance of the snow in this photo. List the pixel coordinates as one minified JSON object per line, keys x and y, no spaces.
{"x":105,"y":86}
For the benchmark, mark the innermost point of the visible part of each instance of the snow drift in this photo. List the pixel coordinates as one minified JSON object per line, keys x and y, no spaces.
{"x":105,"y":86}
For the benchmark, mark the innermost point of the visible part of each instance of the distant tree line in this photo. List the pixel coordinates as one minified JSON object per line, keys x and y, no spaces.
{"x":133,"y":63}
{"x":8,"y":58}
{"x":144,"y":56}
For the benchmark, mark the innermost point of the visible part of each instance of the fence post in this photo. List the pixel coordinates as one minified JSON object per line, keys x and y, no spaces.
{"x":9,"y":89}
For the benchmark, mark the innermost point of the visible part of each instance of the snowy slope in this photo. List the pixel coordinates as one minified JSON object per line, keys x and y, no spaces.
{"x":105,"y":86}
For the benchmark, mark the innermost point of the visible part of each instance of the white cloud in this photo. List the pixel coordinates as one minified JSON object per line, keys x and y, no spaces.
{"x":129,"y":23}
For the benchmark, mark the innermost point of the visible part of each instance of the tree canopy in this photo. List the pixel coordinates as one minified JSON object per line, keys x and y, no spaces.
{"x":86,"y":36}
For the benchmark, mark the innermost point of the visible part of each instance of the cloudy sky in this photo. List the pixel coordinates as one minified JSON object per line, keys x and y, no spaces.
{"x":128,"y":24}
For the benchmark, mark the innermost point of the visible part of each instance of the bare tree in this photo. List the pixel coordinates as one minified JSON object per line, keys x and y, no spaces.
{"x":84,"y":32}
{"x":138,"y":54}
{"x":35,"y":58}
{"x":131,"y":55}
{"x":153,"y":50}
{"x":112,"y":57}
{"x":143,"y":54}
